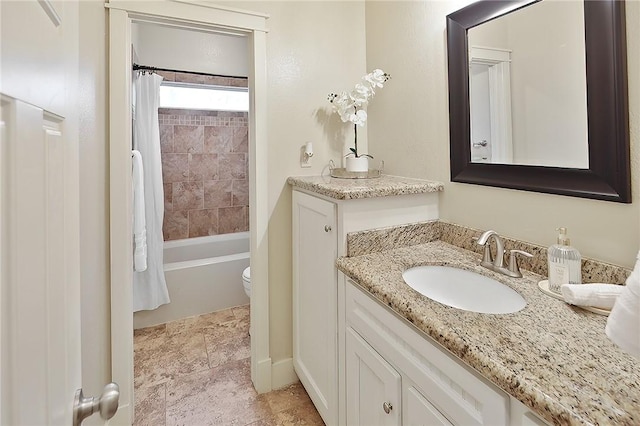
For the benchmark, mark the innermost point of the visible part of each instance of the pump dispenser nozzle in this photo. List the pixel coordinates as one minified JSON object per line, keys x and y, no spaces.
{"x":563,"y":240}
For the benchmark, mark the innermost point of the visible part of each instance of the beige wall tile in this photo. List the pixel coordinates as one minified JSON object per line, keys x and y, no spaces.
{"x":203,"y":222}
{"x":188,"y":195}
{"x":168,"y":196}
{"x":166,"y":138}
{"x":189,"y":78}
{"x":203,"y":167}
{"x":218,"y":193}
{"x":231,"y":219}
{"x":167,"y":75}
{"x":175,"y":167}
{"x":240,"y":192}
{"x":232,"y":166}
{"x":188,"y":139}
{"x":176,"y":225}
{"x":241,"y":139}
{"x":218,"y":139}
{"x":193,"y":144}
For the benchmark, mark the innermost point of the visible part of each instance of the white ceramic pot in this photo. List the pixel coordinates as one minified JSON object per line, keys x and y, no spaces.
{"x":357,"y":164}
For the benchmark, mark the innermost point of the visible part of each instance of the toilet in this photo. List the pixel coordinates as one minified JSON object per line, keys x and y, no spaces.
{"x":246,"y":281}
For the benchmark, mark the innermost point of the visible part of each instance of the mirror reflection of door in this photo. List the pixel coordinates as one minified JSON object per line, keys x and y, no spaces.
{"x":480,"y":113}
{"x":544,"y":44}
{"x":490,"y":99}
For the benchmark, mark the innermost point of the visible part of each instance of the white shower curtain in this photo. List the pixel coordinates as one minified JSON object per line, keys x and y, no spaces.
{"x":149,"y":286}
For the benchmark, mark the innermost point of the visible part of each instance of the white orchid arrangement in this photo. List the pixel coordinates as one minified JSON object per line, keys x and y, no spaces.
{"x":350,"y":105}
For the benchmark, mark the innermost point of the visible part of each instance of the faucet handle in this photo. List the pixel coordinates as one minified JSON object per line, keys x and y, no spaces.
{"x":513,"y":261}
{"x":487,"y":257}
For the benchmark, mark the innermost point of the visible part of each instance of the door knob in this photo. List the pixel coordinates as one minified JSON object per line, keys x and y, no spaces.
{"x":387,"y":407}
{"x":327,"y":228}
{"x":107,"y":404}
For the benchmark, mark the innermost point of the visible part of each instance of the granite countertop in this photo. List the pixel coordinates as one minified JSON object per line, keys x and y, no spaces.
{"x":553,"y":357}
{"x":346,"y":189}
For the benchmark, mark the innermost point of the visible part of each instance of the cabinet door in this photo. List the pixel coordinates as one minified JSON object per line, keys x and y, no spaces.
{"x":315,"y":311}
{"x":373,"y":385}
{"x":417,"y":411}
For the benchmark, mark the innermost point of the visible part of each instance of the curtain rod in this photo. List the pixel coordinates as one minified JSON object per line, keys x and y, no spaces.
{"x":137,"y":67}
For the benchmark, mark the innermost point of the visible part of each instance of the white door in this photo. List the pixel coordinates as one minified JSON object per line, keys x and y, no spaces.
{"x":373,"y":385}
{"x":490,"y":102}
{"x":40,"y":366}
{"x":479,"y":98}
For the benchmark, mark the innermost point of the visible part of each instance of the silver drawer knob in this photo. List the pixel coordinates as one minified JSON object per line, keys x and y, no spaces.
{"x":327,"y":228}
{"x":387,"y":407}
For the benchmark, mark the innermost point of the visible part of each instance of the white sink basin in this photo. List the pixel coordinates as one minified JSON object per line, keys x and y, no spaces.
{"x":463,"y":289}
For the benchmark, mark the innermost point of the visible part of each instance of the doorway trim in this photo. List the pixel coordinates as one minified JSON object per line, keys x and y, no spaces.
{"x":202,"y":17}
{"x":499,"y":63}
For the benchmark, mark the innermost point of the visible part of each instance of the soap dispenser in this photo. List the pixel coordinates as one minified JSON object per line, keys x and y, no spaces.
{"x":565,"y":263}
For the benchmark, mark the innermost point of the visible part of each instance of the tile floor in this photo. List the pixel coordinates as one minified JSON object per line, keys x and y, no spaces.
{"x":196,"y":371}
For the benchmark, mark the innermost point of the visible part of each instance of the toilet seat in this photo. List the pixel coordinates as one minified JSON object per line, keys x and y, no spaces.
{"x":246,"y":281}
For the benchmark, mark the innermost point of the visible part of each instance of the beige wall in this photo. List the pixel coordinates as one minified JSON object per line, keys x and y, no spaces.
{"x":313,"y":48}
{"x":408,"y":128}
{"x":558,"y":100}
{"x":175,"y":48}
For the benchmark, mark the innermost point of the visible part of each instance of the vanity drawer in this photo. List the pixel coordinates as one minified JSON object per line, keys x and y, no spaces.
{"x":460,"y":394}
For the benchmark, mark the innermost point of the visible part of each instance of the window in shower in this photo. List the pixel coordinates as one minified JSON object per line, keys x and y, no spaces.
{"x":203,"y":97}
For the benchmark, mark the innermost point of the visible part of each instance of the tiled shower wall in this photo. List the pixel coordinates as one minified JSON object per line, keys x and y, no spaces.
{"x":205,"y":170}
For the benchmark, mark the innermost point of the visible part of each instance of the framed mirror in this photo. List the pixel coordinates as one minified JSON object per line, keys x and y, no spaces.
{"x":602,"y":171}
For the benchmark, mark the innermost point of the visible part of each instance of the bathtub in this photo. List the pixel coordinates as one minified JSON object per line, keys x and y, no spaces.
{"x":203,"y":275}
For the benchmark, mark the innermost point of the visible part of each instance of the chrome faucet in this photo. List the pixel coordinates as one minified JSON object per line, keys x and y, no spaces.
{"x":497,"y":264}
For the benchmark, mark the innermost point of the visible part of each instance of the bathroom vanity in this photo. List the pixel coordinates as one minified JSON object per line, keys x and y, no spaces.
{"x":371,"y":350}
{"x":549,"y":362}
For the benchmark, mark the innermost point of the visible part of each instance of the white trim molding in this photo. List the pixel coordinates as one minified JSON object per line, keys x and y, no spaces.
{"x":498,"y":62}
{"x":199,"y":16}
{"x":282,"y":373}
{"x":194,"y":12}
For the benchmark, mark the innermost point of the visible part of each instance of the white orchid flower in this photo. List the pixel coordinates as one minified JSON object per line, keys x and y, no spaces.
{"x":358,"y":117}
{"x":360,"y":94}
{"x":376,"y":78}
{"x":341,"y":103}
{"x":345,"y":116}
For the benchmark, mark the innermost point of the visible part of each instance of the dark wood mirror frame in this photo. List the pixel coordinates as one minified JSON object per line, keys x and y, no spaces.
{"x":609,"y":174}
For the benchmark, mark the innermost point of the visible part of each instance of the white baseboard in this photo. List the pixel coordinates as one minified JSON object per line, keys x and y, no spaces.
{"x":261,"y":377}
{"x":282,"y":373}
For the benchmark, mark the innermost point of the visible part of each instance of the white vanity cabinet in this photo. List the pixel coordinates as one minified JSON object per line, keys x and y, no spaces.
{"x":320,"y":227}
{"x":398,"y":376}
{"x":377,"y":394}
{"x":431,"y":387}
{"x":373,"y":386}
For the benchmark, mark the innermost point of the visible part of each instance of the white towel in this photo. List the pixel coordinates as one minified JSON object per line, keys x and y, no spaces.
{"x":623,"y":325}
{"x":139,"y":220}
{"x":601,"y":296}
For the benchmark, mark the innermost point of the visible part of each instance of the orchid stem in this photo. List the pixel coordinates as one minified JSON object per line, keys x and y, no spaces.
{"x":355,"y":132}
